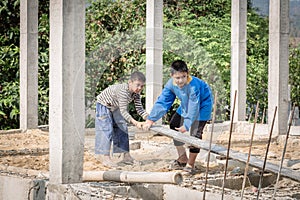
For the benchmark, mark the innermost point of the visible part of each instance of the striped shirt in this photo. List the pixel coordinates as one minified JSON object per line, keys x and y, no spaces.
{"x":118,"y":96}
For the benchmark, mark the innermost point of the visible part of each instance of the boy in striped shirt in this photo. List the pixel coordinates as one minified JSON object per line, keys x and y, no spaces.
{"x":112,"y":117}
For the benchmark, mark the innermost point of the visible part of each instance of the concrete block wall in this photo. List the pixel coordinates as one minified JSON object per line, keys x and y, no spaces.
{"x":17,"y":188}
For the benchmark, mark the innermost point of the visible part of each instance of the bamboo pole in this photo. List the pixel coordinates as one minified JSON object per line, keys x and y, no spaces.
{"x":249,"y":153}
{"x":266,"y":155}
{"x":228,"y":148}
{"x":284,"y":149}
{"x":133,"y":177}
{"x":210,"y":141}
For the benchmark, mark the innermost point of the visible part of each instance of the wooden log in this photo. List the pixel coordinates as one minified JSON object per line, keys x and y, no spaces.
{"x":220,"y":150}
{"x":133,"y":177}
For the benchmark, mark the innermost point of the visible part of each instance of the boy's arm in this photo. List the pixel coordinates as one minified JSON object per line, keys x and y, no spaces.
{"x":160,"y":108}
{"x":139,"y":107}
{"x":123,"y":105}
{"x":147,"y":124}
{"x":162,"y":104}
{"x":193,"y":108}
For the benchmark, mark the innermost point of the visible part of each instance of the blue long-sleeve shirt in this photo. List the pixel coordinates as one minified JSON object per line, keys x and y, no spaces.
{"x":195,"y":97}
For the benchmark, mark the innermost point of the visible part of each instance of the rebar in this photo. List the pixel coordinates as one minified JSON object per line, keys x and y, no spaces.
{"x":210,"y":141}
{"x":250,"y":147}
{"x":266,"y":155}
{"x":228,"y":147}
{"x":284,"y":149}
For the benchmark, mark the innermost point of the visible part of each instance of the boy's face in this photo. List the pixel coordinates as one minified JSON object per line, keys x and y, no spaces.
{"x":136,"y":86}
{"x":180,"y":78}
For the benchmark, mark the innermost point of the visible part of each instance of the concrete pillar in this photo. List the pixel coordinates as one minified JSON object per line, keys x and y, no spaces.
{"x":278,"y":65}
{"x":28,"y":64}
{"x":238,"y":57}
{"x":67,"y":72}
{"x":154,"y":46}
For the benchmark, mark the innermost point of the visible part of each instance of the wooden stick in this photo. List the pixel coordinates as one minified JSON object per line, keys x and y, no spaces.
{"x":263,"y":117}
{"x":210,"y":141}
{"x":264,"y":165}
{"x":250,"y":147}
{"x":250,"y":115}
{"x":228,"y":148}
{"x":284,"y":149}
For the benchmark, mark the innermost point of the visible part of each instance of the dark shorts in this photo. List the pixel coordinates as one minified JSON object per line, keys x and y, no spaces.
{"x":196,"y":130}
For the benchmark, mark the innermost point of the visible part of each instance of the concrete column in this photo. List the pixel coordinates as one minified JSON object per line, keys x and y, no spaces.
{"x":28,"y":64}
{"x":154,"y":46}
{"x":278,"y":65}
{"x":67,"y":71}
{"x":238,"y":57}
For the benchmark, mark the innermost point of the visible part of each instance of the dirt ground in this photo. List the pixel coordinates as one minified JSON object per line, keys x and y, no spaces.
{"x":30,"y":150}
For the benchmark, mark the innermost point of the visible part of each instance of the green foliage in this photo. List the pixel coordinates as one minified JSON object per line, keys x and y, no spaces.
{"x":9,"y":62}
{"x":9,"y":105}
{"x":106,"y":18}
{"x":10,"y":19}
{"x":43,"y":70}
{"x":257,"y":64}
{"x":294,"y":75}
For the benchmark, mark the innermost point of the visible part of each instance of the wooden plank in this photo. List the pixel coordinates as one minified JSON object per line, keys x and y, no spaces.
{"x":220,"y":150}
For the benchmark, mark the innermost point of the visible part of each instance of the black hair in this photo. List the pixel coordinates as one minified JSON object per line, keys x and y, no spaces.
{"x":138,"y":76}
{"x":179,"y":66}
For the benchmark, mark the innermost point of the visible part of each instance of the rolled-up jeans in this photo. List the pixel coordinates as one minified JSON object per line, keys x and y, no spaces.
{"x":111,"y":128}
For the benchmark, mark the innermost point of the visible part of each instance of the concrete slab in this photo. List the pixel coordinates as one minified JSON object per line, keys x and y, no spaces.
{"x":173,"y":192}
{"x":18,"y":188}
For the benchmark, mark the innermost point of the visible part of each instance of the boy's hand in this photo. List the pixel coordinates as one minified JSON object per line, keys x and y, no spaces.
{"x":139,"y":125}
{"x":181,"y":129}
{"x":147,"y":124}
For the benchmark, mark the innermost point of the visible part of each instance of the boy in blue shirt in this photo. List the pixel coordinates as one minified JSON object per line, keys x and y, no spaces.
{"x":195,"y":109}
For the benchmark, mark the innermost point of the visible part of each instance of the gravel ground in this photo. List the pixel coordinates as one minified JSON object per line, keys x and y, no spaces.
{"x":30,"y":151}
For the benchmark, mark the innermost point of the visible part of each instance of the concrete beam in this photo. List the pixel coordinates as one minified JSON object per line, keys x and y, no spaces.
{"x":28,"y":64}
{"x":154,"y":47}
{"x":220,"y":150}
{"x":238,"y":57}
{"x":67,"y":72}
{"x":278,"y":65}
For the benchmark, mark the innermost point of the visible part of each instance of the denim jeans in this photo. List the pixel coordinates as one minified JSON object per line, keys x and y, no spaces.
{"x":111,"y":128}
